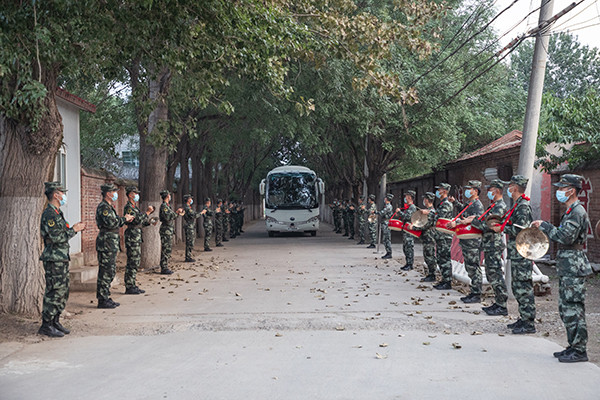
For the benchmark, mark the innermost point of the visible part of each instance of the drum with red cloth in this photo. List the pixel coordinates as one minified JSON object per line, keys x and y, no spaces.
{"x":412,"y":232}
{"x":440,"y":225}
{"x":467,"y":232}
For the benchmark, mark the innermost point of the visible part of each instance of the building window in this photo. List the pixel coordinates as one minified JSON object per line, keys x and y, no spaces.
{"x":130,"y":158}
{"x":61,"y":168}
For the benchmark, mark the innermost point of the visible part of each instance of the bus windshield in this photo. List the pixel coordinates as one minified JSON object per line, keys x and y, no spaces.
{"x":291,"y":190}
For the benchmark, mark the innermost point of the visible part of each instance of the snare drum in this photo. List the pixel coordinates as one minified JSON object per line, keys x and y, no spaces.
{"x":467,"y":232}
{"x":395,"y":225}
{"x":440,"y":225}
{"x":412,"y":232}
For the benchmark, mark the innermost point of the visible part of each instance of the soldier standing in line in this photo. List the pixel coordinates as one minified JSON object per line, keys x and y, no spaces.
{"x":471,"y":248}
{"x":232,"y":219}
{"x":189,"y":226}
{"x":572,"y":266}
{"x":493,"y":246}
{"x":345,"y":218}
{"x":219,"y":217}
{"x":226,"y":220}
{"x":372,"y":221}
{"x":108,"y":243}
{"x":350,"y":211}
{"x":241,"y":217}
{"x":362,"y":219}
{"x":428,"y":236}
{"x":167,"y":217}
{"x":333,"y":207}
{"x":56,"y":233}
{"x":408,"y":241}
{"x":133,"y":238}
{"x":386,"y":213}
{"x":443,"y":240}
{"x":340,"y":216}
{"x":207,"y":223}
{"x":517,"y":219}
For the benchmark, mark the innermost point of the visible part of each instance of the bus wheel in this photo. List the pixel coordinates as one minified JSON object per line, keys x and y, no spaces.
{"x":313,"y":233}
{"x":271,"y":233}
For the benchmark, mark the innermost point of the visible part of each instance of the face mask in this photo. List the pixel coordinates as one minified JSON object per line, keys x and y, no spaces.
{"x":115,"y":196}
{"x":191,"y":202}
{"x":63,"y":201}
{"x":136,"y":198}
{"x":437,"y":194}
{"x":561,"y":195}
{"x":424,"y":204}
{"x":508,"y":192}
{"x":491,"y":195}
{"x":468,"y":193}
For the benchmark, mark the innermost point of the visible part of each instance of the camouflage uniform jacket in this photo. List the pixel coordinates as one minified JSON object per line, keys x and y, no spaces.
{"x":520,"y":216}
{"x":490,"y":239}
{"x":167,"y":216}
{"x":429,"y":231}
{"x":56,"y":233}
{"x":371,"y":209}
{"x":219,"y":216}
{"x":475,"y":208}
{"x":190,"y":216}
{"x":571,"y":231}
{"x":140,"y":219}
{"x":208,"y":222}
{"x":444,"y":210}
{"x":350,"y":211}
{"x":109,"y":223}
{"x":386,"y":213}
{"x":405,"y":215}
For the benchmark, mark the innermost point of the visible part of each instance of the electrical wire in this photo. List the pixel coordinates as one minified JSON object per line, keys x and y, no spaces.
{"x":582,"y":10}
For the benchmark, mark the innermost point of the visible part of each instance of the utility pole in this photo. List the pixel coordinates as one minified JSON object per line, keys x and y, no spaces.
{"x":534,"y":96}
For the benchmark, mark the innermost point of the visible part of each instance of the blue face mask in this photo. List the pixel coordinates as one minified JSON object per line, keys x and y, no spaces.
{"x":136,"y":198}
{"x":115,"y":196}
{"x":561,"y":195}
{"x":491,"y":195}
{"x":191,"y":202}
{"x":508,"y":192}
{"x":437,"y":194}
{"x":63,"y":201}
{"x":468,"y":193}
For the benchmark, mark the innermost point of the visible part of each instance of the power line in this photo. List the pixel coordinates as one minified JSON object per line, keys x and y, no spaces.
{"x":564,"y":22}
{"x":576,"y":29}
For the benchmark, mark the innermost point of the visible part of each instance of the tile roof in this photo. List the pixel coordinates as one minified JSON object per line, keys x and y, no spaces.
{"x":508,"y":141}
{"x":75,"y":100}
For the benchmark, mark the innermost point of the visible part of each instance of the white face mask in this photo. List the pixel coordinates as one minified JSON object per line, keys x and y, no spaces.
{"x":191,"y":202}
{"x":136,"y":198}
{"x":115,"y":196}
{"x":63,"y":200}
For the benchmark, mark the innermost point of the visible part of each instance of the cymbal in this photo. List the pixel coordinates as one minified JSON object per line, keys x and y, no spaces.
{"x":418,"y":219}
{"x":493,"y":220}
{"x":532,"y":243}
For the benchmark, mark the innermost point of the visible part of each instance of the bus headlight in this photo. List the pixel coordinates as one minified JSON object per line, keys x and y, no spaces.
{"x":271,"y":220}
{"x":313,"y":220}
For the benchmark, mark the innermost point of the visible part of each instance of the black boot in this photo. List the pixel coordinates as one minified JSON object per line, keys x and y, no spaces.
{"x":207,"y":249}
{"x":371,"y":246}
{"x":108,"y":303}
{"x":407,"y":267}
{"x":429,"y":278}
{"x":387,"y":256}
{"x":361,"y":242}
{"x":443,"y":286}
{"x":573,"y":356}
{"x":58,"y":325}
{"x":166,"y":271}
{"x":49,"y":329}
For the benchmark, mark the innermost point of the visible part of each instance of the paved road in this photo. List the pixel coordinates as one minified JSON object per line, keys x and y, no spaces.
{"x":290,"y":318}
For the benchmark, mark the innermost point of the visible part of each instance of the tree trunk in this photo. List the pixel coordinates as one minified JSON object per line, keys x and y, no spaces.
{"x":26,"y":159}
{"x":153,"y":165}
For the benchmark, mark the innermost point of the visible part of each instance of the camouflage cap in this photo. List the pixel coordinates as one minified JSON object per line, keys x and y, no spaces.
{"x":411,"y":193}
{"x":473,"y":185}
{"x":51,"y":187}
{"x":497,"y":183}
{"x":429,"y":196}
{"x":443,"y":186}
{"x":219,"y":201}
{"x":164,"y":193}
{"x":108,"y":187}
{"x":131,"y":189}
{"x":206,"y":199}
{"x":519,"y":180}
{"x":372,"y":197}
{"x":567,"y":180}
{"x":389,"y":196}
{"x":186,"y":197}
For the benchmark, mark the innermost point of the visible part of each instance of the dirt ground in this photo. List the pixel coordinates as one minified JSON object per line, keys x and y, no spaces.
{"x":83,"y":317}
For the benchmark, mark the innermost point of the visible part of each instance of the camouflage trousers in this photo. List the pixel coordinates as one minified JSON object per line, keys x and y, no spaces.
{"x":408,"y":247}
{"x":429,"y":254}
{"x":218,"y":233}
{"x":207,"y":236}
{"x":444,"y":260}
{"x":351,"y":226}
{"x":190,"y":240}
{"x":134,"y":256}
{"x":386,"y":237}
{"x":107,"y":267}
{"x":522,"y":287}
{"x":373,"y":233}
{"x":471,"y":250}
{"x":361,"y":230}
{"x":336,"y":223}
{"x":495,"y":276}
{"x":166,"y":243}
{"x":571,"y":307}
{"x":340,"y":223}
{"x":57,"y":289}
{"x":346,"y":226}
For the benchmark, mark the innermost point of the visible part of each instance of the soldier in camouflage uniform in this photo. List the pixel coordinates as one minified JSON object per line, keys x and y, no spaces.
{"x":207,"y":223}
{"x":340,"y":217}
{"x":362,"y":215}
{"x":443,"y":241}
{"x":219,"y":217}
{"x":108,"y":243}
{"x":572,"y":266}
{"x":56,"y":233}
{"x":516,"y":219}
{"x":133,"y":238}
{"x":167,"y":221}
{"x":493,"y":246}
{"x":350,"y":212}
{"x":372,"y":221}
{"x":428,"y":236}
{"x":408,"y":241}
{"x":232,"y":219}
{"x":241,"y":218}
{"x":344,"y":209}
{"x":471,"y":248}
{"x":189,"y":226}
{"x":333,"y":207}
{"x":386,"y":213}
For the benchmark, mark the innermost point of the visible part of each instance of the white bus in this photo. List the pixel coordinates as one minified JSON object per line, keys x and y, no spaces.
{"x":291,"y":200}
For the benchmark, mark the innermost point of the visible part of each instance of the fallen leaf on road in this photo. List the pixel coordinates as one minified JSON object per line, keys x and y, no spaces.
{"x":278,"y":335}
{"x":475,"y":333}
{"x":426,"y":343}
{"x":380,"y":356}
{"x":452,"y":302}
{"x":237,"y":294}
{"x":383,"y":345}
{"x":456,"y":346}
{"x":340,"y":328}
